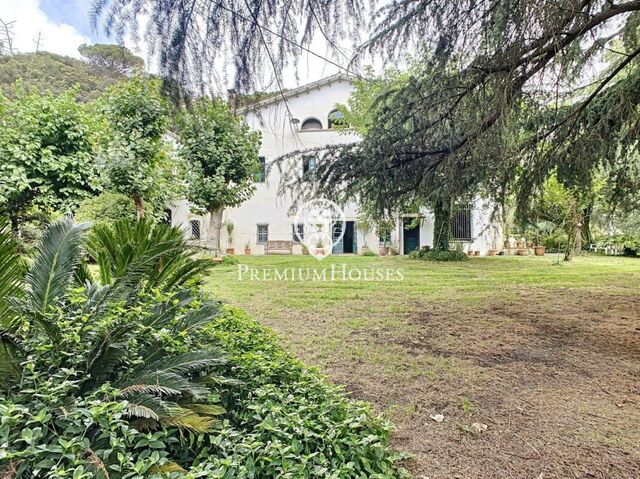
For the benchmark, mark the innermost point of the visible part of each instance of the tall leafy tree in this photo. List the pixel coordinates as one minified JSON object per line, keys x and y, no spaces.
{"x":46,"y":148}
{"x":503,"y":95}
{"x":135,"y":159}
{"x":221,"y":152}
{"x":112,"y":59}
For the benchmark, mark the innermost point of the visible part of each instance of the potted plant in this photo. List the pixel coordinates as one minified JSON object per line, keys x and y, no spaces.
{"x":305,"y":250}
{"x":365,"y":225}
{"x":319,"y":248}
{"x":522,"y":252}
{"x":247,"y":249}
{"x":476,"y":253}
{"x":229,"y":226}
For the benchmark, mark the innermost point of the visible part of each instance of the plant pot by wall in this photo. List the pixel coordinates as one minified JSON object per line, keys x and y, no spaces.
{"x":506,"y":243}
{"x":530,"y":244}
{"x":470,"y":253}
{"x":492,"y":252}
{"x":320,"y":251}
{"x":305,"y":250}
{"x":520,"y":244}
{"x":364,"y":249}
{"x":247,"y":251}
{"x":230,"y":250}
{"x":383,"y":250}
{"x":539,"y":250}
{"x":522,"y":252}
{"x":476,"y":253}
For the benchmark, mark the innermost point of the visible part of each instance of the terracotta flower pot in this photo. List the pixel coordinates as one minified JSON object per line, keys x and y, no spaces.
{"x":492,"y":252}
{"x":247,"y":251}
{"x":476,"y":253}
{"x":522,"y":252}
{"x":231,"y":250}
{"x":364,"y":249}
{"x":320,"y":251}
{"x":383,"y":250}
{"x":539,"y":250}
{"x":506,"y":243}
{"x":470,"y":253}
{"x":530,"y":244}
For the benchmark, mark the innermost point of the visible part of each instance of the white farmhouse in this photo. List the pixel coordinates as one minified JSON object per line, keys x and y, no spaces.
{"x":304,"y":121}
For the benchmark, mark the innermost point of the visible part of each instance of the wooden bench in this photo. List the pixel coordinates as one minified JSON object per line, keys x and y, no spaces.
{"x":278,"y":247}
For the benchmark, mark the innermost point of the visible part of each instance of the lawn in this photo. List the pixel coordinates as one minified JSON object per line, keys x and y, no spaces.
{"x":546,"y":356}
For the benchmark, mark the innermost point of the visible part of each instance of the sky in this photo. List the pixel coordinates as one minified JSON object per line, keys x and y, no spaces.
{"x":63,"y":25}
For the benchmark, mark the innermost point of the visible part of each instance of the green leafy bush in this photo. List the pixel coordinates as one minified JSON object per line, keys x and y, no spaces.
{"x":106,"y":208}
{"x":133,"y":374}
{"x":230,"y":260}
{"x":285,"y":420}
{"x":425,"y":253}
{"x":369,"y":253}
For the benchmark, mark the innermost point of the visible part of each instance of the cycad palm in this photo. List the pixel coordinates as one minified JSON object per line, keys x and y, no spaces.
{"x":134,"y":260}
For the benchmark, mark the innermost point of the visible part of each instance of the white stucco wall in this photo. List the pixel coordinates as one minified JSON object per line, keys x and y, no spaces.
{"x":281,"y":136}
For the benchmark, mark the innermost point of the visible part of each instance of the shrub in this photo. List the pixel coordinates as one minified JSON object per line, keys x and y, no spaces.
{"x":230,"y":260}
{"x":436,"y":255}
{"x":369,"y":253}
{"x":285,"y":420}
{"x":136,"y":375}
{"x":106,"y":208}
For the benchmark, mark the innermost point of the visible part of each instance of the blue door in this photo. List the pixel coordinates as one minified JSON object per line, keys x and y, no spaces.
{"x":338,"y":248}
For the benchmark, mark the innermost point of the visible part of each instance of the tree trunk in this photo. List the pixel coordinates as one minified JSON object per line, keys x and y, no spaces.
{"x":139,"y":206}
{"x":215,"y":225}
{"x":442,"y":225}
{"x":586,"y":225}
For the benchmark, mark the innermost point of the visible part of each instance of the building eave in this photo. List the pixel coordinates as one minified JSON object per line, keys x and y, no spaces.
{"x":295,"y":92}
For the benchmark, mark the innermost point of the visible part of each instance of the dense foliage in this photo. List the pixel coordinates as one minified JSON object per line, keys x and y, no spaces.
{"x":46,"y":71}
{"x":221,"y":154}
{"x":46,"y":146}
{"x":107,"y":207}
{"x":439,"y":255}
{"x":132,"y":373}
{"x":136,"y":160}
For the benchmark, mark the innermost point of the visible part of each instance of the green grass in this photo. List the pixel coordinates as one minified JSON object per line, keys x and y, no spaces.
{"x":480,"y":340}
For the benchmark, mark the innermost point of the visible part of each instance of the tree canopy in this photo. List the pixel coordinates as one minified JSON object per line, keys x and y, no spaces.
{"x":112,"y":59}
{"x":221,"y":153}
{"x":46,"y":146}
{"x":135,"y":159}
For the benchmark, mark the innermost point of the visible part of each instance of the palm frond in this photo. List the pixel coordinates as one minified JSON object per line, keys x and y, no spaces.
{"x":144,"y":254}
{"x":168,"y":376}
{"x":205,"y":409}
{"x":147,"y":406}
{"x":10,"y":369}
{"x":58,"y":255}
{"x":11,"y":275}
{"x":190,"y":421}
{"x":196,"y":318}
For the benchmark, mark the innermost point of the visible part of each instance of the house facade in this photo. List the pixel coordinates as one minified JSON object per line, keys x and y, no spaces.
{"x":304,"y":121}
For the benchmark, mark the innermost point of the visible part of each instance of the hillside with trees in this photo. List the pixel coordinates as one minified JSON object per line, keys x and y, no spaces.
{"x":57,"y":73}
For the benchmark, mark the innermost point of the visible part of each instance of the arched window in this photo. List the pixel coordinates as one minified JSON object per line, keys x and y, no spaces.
{"x":311,"y":124}
{"x":335,"y":118}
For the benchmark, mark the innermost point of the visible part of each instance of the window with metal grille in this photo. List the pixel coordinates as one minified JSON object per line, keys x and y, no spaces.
{"x":461,"y":224}
{"x":168,"y":216}
{"x":300,"y":229}
{"x":195,"y":229}
{"x":262,"y":234}
{"x":261,"y":174}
